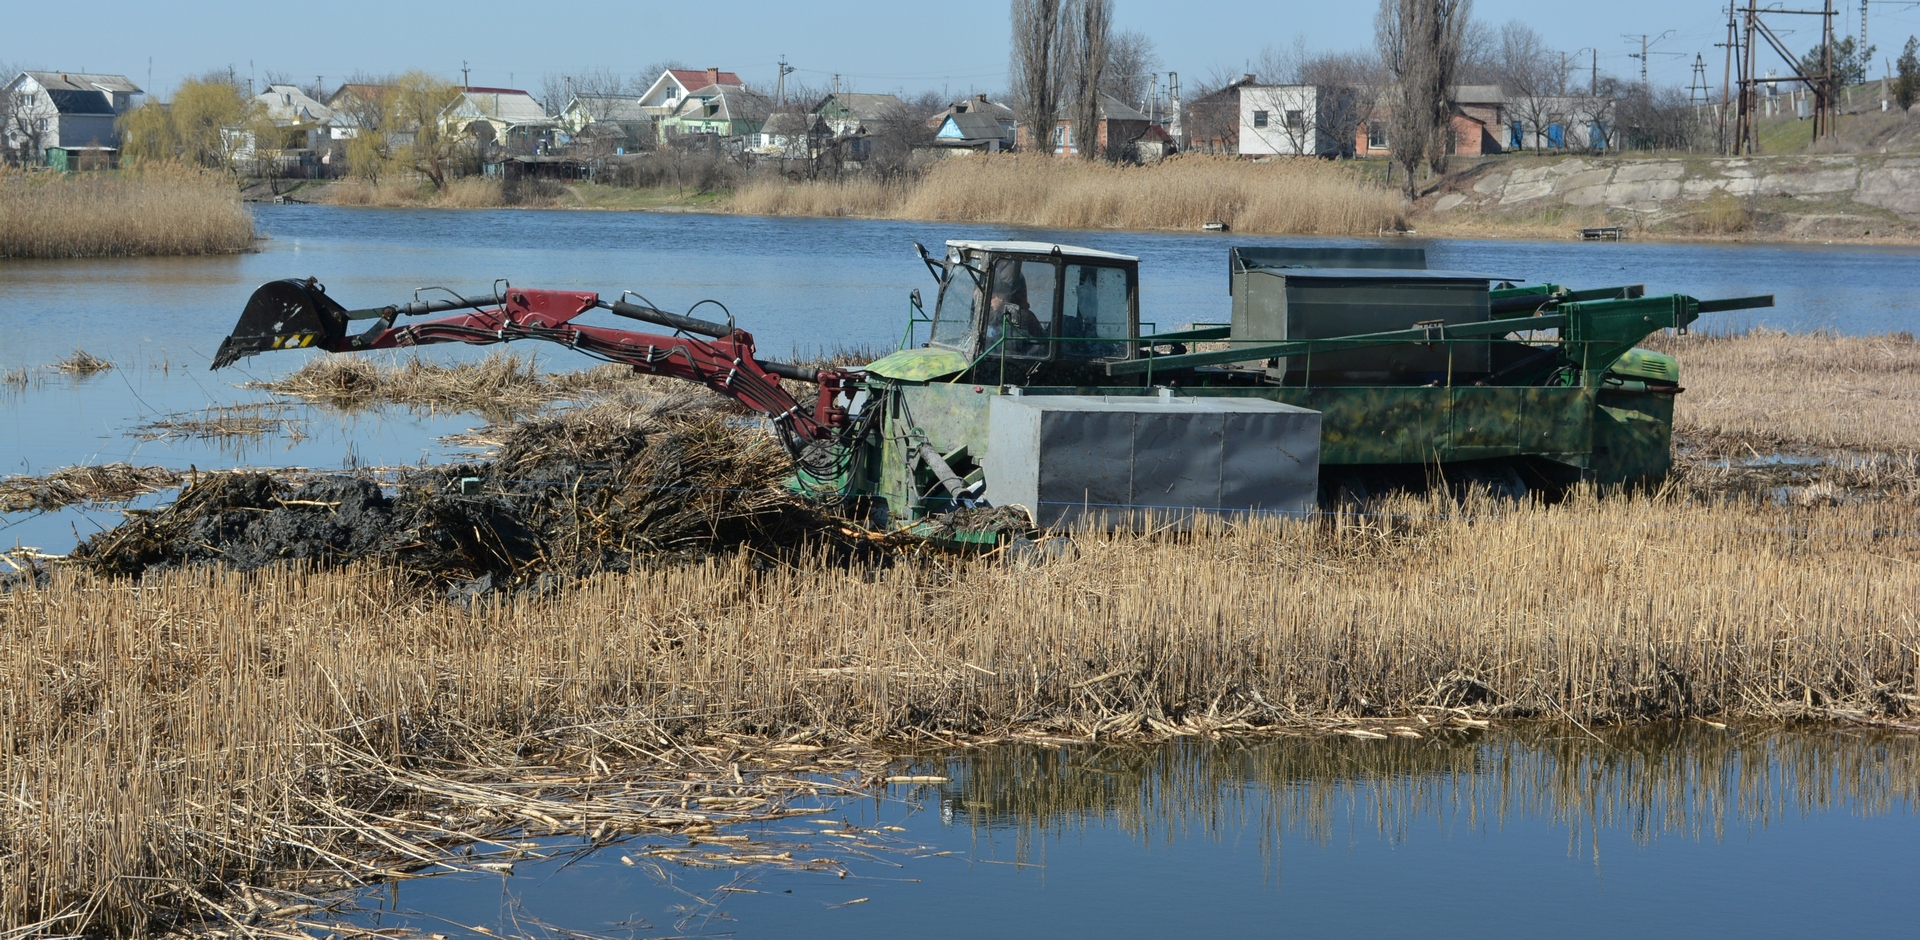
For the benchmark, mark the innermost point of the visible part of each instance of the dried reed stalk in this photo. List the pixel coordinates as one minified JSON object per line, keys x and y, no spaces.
{"x":82,"y":362}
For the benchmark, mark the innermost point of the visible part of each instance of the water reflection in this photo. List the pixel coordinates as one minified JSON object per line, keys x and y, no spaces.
{"x":1535,"y":831}
{"x":1690,"y":780}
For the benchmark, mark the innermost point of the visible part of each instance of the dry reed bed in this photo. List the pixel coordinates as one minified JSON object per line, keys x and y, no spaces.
{"x":1290,"y":197}
{"x":1770,"y":390}
{"x":154,"y":211}
{"x":160,"y":739}
{"x":503,"y":384}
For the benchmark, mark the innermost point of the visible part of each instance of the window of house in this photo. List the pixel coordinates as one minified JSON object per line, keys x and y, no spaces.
{"x":1376,"y":135}
{"x":1259,"y":119}
{"x":1296,"y":120}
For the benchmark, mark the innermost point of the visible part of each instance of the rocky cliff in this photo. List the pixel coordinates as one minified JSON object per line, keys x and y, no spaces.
{"x":1824,"y":196}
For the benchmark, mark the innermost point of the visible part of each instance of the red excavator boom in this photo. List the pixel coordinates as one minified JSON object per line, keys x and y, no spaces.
{"x":297,"y":314}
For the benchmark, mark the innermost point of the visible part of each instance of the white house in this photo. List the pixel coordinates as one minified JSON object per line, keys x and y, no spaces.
{"x":66,"y":110}
{"x":666,"y":93}
{"x":512,"y":113}
{"x":1289,"y":120}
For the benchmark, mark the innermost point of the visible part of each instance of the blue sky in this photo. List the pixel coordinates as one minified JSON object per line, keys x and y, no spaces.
{"x":877,"y":47}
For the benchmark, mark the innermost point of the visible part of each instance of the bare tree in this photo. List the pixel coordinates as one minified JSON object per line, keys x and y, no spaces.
{"x":1094,"y":29}
{"x":1530,"y":74}
{"x":1131,"y":64}
{"x":1348,"y":87}
{"x":1038,"y":68}
{"x":1421,"y":43}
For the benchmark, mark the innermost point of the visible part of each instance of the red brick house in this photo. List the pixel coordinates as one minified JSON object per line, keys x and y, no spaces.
{"x":1119,"y":125}
{"x":1478,"y":115}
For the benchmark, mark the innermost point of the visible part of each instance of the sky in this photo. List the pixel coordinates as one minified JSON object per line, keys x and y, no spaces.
{"x":952,"y":48}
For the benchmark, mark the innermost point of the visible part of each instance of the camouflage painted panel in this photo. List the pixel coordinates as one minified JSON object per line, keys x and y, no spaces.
{"x":1376,"y":424}
{"x":1632,"y":439}
{"x":918,"y":365}
{"x":1503,"y":422}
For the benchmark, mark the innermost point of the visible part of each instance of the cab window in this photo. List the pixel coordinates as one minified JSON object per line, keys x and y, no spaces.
{"x":1094,"y":306}
{"x":1020,"y":302}
{"x":953,"y":315}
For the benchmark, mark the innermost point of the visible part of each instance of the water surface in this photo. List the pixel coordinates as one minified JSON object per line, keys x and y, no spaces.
{"x":1670,"y":831}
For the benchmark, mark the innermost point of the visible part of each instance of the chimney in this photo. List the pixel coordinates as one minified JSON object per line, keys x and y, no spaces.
{"x":1246,"y":79}
{"x":713,"y":76}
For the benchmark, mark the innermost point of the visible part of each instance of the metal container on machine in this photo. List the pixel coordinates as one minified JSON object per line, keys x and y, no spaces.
{"x":1074,"y":459}
{"x":1284,"y":294}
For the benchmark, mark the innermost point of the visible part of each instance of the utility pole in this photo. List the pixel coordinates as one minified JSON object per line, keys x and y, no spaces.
{"x":1697,"y":94}
{"x":465,"y":82}
{"x":780,"y":84}
{"x":1645,"y":53}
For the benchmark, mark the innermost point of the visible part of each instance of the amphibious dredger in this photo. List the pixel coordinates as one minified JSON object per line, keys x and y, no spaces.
{"x":1344,"y":372}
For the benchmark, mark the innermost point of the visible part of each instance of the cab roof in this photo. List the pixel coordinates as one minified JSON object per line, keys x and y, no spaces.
{"x":1038,"y":248}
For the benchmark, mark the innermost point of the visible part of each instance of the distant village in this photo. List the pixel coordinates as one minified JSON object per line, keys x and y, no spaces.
{"x":74,"y":120}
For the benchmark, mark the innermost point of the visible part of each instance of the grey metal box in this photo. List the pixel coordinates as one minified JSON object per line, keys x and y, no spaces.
{"x":1276,"y":304}
{"x":1068,"y":457}
{"x":1244,"y":258}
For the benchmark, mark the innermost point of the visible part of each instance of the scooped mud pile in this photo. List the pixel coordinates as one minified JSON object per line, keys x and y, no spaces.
{"x":589,"y":489}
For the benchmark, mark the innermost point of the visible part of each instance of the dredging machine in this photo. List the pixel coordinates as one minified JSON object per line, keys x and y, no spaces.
{"x":1343,"y":372}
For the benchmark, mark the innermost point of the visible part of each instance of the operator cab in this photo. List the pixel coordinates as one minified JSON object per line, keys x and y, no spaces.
{"x":1026,"y":304}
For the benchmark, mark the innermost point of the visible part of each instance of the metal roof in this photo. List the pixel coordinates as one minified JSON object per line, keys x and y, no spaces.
{"x":507,"y":105}
{"x":85,"y":81}
{"x":1380,"y":274}
{"x":614,"y":108}
{"x":1037,"y":248}
{"x":79,"y":102}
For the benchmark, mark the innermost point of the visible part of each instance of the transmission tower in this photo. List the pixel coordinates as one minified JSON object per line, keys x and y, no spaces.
{"x":1698,"y":93}
{"x":1820,"y":79}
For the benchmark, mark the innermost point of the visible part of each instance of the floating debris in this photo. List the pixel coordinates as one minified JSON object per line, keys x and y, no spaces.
{"x":107,"y":483}
{"x":222,"y":422}
{"x":82,"y":363}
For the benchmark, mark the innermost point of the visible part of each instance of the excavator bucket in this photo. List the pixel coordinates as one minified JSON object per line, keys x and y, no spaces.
{"x":289,"y":314}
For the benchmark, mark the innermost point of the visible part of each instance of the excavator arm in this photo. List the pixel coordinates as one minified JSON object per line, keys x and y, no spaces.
{"x":298,"y":314}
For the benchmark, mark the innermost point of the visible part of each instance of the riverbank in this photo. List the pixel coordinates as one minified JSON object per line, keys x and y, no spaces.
{"x":155,"y":211}
{"x":1852,"y":198}
{"x":1871,"y":198}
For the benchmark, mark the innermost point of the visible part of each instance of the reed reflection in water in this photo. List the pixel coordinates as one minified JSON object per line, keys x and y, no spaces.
{"x":1695,"y":780}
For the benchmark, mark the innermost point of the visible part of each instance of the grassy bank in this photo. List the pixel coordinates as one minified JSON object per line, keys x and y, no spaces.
{"x":156,"y":211}
{"x":1290,"y":197}
{"x":163,"y":739}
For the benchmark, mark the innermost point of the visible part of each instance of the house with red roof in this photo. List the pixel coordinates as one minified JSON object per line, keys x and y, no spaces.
{"x":671,"y":89}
